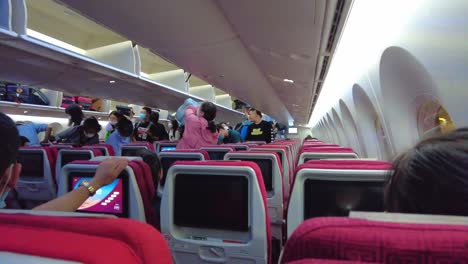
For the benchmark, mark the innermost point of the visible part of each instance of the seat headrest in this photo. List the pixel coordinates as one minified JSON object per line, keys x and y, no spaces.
{"x":328,"y":150}
{"x":68,"y":235}
{"x":341,"y":238}
{"x":352,"y":164}
{"x":203,"y":152}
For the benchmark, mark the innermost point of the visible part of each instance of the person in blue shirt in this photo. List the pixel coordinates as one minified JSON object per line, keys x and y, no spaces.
{"x":122,"y":135}
{"x":31,"y":130}
{"x":226,"y":135}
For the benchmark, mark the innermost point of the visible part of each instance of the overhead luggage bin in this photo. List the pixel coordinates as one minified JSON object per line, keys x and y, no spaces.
{"x":111,"y":71}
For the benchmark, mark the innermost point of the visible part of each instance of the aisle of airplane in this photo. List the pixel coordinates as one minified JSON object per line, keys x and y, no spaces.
{"x":353,"y":83}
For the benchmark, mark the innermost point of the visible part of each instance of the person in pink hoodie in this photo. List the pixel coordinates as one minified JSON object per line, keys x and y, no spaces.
{"x":200,"y":128}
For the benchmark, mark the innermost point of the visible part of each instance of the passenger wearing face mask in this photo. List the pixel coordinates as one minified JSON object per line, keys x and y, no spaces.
{"x":114,"y":117}
{"x":141,"y":128}
{"x":121,"y":135}
{"x":86,"y":134}
{"x":10,"y":171}
{"x":174,"y":133}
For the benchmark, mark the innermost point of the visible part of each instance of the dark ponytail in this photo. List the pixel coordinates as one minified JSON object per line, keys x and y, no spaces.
{"x":209,"y":110}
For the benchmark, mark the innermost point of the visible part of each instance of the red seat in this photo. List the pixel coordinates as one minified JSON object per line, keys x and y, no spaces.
{"x":147,"y":190}
{"x":203,"y":152}
{"x":259,"y":177}
{"x":83,"y":239}
{"x":145,"y":144}
{"x":109,"y":148}
{"x":337,"y":238}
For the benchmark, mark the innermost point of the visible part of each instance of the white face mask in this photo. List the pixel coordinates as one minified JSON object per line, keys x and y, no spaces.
{"x":89,"y":135}
{"x":113,"y":123}
{"x":169,"y":125}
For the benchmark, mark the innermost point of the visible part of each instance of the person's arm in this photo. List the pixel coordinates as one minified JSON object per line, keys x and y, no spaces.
{"x":107,"y":171}
{"x":66,"y":133}
{"x":47,"y":128}
{"x":180,"y":114}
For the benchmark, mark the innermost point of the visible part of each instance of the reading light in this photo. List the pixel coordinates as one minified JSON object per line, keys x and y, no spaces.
{"x":111,"y":81}
{"x":288,"y":81}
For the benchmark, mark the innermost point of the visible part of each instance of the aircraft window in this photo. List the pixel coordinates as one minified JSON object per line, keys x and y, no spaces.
{"x":433,"y":119}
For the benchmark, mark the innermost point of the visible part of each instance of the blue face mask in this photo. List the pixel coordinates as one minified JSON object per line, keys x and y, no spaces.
{"x":5,"y":192}
{"x":221,"y":136}
{"x":2,"y":200}
{"x":142,"y":116}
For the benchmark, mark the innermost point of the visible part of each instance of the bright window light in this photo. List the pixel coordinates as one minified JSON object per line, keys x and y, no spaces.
{"x":288,"y":81}
{"x":54,"y":41}
{"x":372,"y":26}
{"x":292,"y":130}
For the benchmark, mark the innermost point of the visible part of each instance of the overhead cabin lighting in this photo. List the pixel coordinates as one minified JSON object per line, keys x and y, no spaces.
{"x":288,"y":81}
{"x":54,"y":41}
{"x":111,"y":81}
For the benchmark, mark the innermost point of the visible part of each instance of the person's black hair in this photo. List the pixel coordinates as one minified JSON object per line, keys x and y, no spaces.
{"x":125,"y":127}
{"x":256,"y":111}
{"x":219,"y":127}
{"x":309,"y":137}
{"x":209,"y":110}
{"x":431,"y":178}
{"x":92,"y":122}
{"x":118,"y":114}
{"x":153,"y":162}
{"x":147,"y":110}
{"x":154,"y":117}
{"x":9,"y":142}
{"x":181,"y":131}
{"x":175,"y":126}
{"x":24,"y":141}
{"x":76,"y":114}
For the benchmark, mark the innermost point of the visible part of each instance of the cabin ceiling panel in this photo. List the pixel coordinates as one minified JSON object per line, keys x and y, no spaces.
{"x":243,"y":46}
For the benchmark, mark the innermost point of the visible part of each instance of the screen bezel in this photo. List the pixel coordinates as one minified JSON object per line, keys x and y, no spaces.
{"x":66,"y":153}
{"x":162,"y":182}
{"x":244,"y":229}
{"x":123,"y":176}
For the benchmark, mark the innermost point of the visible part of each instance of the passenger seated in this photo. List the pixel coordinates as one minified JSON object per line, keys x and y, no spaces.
{"x":154,"y":163}
{"x":86,"y":134}
{"x":122,"y":135}
{"x":10,"y":171}
{"x":227,"y":135}
{"x":431,"y":178}
{"x":200,"y":128}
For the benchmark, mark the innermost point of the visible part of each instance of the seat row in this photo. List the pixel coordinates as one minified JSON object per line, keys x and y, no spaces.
{"x":225,"y":211}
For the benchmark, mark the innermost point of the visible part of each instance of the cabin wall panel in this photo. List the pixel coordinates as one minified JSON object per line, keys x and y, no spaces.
{"x":433,"y":36}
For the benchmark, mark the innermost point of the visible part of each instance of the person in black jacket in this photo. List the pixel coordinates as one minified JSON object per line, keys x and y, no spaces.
{"x":260,"y":130}
{"x":156,"y":131}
